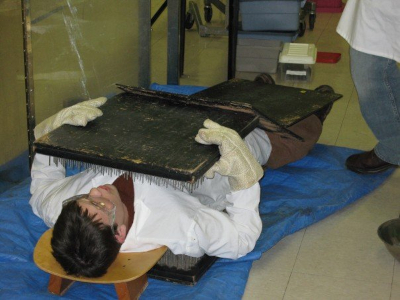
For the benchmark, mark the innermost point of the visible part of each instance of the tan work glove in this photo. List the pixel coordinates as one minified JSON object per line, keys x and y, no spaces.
{"x":236,"y":160}
{"x":78,"y":115}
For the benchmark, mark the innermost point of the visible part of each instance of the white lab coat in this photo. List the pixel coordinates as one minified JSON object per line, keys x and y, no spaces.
{"x":187,"y":223}
{"x":372,"y":27}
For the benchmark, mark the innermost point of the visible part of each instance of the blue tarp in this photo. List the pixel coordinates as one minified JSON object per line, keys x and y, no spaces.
{"x":293,"y":197}
{"x":14,"y":172}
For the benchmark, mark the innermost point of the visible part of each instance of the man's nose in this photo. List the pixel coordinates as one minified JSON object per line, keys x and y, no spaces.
{"x":94,"y":192}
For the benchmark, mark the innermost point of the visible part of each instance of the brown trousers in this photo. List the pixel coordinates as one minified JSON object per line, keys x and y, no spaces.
{"x":286,"y":150}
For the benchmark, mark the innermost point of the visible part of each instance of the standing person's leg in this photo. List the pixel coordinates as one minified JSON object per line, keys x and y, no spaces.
{"x":377,"y":81}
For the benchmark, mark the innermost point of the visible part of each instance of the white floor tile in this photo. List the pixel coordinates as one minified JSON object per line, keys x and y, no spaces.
{"x":265,"y":284}
{"x":340,"y":256}
{"x":281,"y":257}
{"x":315,"y":287}
{"x":395,"y":293}
{"x":396,"y":282}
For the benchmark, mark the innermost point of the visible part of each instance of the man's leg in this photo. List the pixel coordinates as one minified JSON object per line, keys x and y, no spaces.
{"x":286,"y":150}
{"x":377,"y":81}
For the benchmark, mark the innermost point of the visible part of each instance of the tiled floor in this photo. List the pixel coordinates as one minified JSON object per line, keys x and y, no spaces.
{"x":341,"y":257}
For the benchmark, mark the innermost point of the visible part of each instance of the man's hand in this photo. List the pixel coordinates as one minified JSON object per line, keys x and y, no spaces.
{"x":78,"y":115}
{"x":236,"y":161}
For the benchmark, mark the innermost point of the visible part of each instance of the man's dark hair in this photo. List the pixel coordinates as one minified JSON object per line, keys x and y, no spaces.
{"x":83,"y":246}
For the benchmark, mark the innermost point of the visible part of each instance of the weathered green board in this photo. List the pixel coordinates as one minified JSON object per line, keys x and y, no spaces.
{"x":140,"y":133}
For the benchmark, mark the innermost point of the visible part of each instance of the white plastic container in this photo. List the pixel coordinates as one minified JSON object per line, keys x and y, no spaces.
{"x":296,"y":61}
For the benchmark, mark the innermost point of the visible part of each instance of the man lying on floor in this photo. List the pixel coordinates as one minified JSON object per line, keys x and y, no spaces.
{"x":96,"y":215}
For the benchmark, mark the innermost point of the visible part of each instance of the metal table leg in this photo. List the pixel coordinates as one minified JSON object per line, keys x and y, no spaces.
{"x":174,"y":9}
{"x":233,"y":31}
{"x":144,"y":43}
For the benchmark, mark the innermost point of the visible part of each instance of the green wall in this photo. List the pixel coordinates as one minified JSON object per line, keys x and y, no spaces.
{"x":81,"y":48}
{"x":13,"y":124}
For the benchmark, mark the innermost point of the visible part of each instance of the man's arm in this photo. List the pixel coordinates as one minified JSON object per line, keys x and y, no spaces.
{"x":177,"y":219}
{"x":236,"y":161}
{"x":235,"y":234}
{"x":77,"y":115}
{"x":49,"y":185}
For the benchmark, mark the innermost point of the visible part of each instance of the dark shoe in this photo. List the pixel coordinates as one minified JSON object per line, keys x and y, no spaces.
{"x":325,"y":89}
{"x":264,"y":78}
{"x":367,"y":163}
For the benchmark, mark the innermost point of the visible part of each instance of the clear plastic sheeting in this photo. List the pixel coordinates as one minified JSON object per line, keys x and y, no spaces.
{"x":292,"y":197}
{"x":73,"y":50}
{"x":80,"y":49}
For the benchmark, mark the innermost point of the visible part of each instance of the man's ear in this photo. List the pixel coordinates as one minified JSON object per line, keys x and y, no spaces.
{"x":120,"y":235}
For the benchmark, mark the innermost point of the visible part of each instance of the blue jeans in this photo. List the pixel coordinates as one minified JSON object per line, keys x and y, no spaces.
{"x":377,"y":81}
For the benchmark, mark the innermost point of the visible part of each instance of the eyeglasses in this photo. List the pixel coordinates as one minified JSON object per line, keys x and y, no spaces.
{"x":85,"y":198}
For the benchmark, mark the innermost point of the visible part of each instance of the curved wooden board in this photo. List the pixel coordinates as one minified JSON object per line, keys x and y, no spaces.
{"x":127,"y":266}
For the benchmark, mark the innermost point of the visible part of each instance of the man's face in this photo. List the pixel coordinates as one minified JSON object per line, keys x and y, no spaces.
{"x":106,"y":196}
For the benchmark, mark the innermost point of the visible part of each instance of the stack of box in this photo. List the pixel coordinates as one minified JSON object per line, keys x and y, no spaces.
{"x":266,"y":24}
{"x":257,"y":55}
{"x":270,"y":15}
